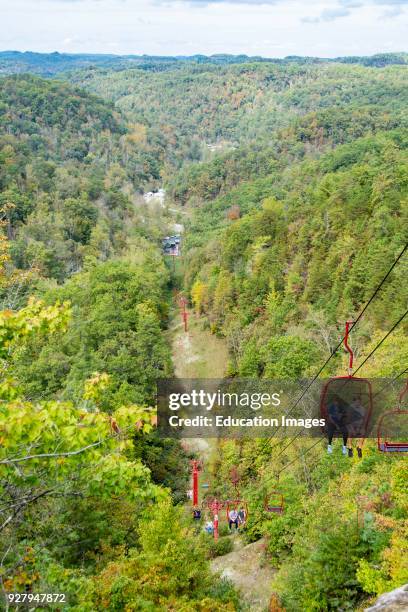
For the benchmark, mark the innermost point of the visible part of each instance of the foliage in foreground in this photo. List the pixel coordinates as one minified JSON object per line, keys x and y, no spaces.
{"x":80,"y":513}
{"x":342,"y":536}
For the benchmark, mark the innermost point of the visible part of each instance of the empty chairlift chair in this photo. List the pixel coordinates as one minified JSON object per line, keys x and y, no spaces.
{"x":392,"y":430}
{"x":274,"y":502}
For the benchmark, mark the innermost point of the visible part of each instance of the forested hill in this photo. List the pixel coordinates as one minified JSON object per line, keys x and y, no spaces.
{"x":291,"y":230}
{"x":294,"y":180}
{"x":282,"y":260}
{"x":194,"y":111}
{"x":75,"y":229}
{"x":48,"y":64}
{"x":68,"y":174}
{"x":290,"y":234}
{"x":291,"y":179}
{"x":37,"y":107}
{"x":84,"y":294}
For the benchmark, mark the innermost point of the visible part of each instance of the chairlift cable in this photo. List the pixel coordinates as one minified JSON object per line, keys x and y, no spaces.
{"x":360,"y":366}
{"x":381,"y":341}
{"x":378,"y":288}
{"x":310,"y":448}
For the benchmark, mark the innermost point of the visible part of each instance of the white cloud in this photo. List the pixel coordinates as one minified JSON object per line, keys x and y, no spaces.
{"x":328,"y":15}
{"x":345,"y":8}
{"x":347,"y":3}
{"x":358,"y":3}
{"x":393,"y":12}
{"x":272,"y":28}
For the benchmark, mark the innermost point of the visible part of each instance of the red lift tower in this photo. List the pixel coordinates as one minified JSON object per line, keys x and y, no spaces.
{"x":215,"y":505}
{"x":196,"y":469}
{"x":182,"y":301}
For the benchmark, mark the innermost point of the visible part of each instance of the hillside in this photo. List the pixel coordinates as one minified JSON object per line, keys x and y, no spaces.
{"x":291,"y":178}
{"x":287,"y":241}
{"x":49,"y":64}
{"x":261,"y":267}
{"x":196,"y":111}
{"x":68,"y":175}
{"x":84,"y":292}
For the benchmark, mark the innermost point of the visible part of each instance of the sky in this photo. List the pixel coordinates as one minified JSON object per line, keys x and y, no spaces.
{"x":271,"y":28}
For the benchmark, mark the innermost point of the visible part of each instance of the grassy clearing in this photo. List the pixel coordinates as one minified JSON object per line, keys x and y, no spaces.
{"x":197,"y":353}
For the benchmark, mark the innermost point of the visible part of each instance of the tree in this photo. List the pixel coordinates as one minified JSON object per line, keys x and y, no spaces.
{"x":199,"y":296}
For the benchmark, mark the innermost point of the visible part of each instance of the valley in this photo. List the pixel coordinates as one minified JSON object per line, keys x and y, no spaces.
{"x":287,"y":184}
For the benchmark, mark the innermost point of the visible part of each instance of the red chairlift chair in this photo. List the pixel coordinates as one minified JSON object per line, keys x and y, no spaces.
{"x":237,"y":504}
{"x":384,"y":442}
{"x":347,"y":388}
{"x":274,"y":502}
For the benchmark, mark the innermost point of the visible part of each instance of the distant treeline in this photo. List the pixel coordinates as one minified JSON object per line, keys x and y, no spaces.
{"x":47,"y":64}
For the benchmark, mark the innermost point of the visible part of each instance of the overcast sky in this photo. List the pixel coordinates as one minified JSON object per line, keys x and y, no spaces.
{"x":272,"y":28}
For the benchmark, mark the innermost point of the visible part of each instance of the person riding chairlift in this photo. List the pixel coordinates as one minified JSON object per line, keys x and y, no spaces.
{"x":233,"y":519}
{"x":197,"y":514}
{"x":336,"y":422}
{"x":241,"y":516}
{"x":356,"y":426}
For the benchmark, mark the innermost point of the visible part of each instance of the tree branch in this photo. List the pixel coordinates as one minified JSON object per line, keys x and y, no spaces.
{"x":30,"y":501}
{"x":50,"y":455}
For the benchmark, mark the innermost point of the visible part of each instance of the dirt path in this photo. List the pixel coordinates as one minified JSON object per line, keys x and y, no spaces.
{"x":199,"y":354}
{"x":196,"y":354}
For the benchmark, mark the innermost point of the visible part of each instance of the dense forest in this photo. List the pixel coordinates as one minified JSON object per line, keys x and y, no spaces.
{"x":49,"y":64}
{"x":291,"y":180}
{"x":190,"y":112}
